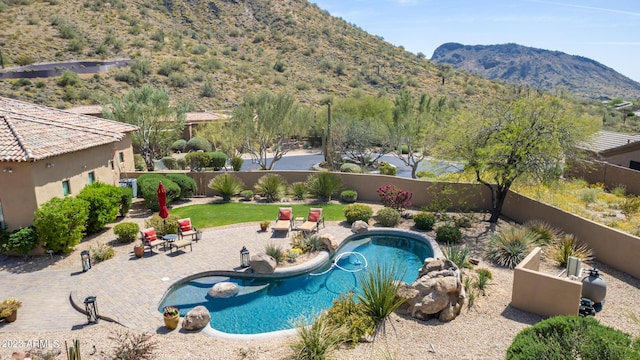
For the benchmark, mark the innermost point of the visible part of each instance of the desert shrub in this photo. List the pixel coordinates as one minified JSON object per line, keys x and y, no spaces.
{"x":459,"y":255}
{"x":148,"y":188}
{"x":572,"y":337}
{"x":349,"y":196}
{"x":546,"y":233}
{"x":393,"y":197}
{"x":307,"y":244}
{"x":102,"y":252}
{"x":484,"y":275}
{"x":424,"y":220}
{"x":104,"y":204}
{"x":163,"y":226}
{"x":126,"y":197}
{"x":448,"y":234}
{"x":316,"y":340}
{"x":68,"y":78}
{"x":236,"y":163}
{"x":271,"y":186}
{"x":179,"y":145}
{"x":630,"y":205}
{"x":182,"y":163}
{"x":299,"y":190}
{"x":218,"y":160}
{"x":197,"y":160}
{"x":129,"y":346}
{"x":568,"y":245}
{"x":387,"y":169}
{"x":126,"y":232}
{"x":138,"y":163}
{"x":21,"y":241}
{"x":226,"y":185}
{"x":379,"y":290}
{"x":355,"y":212}
{"x":388,"y":217}
{"x":187,"y":185}
{"x":275,"y":251}
{"x":169,"y":162}
{"x":198,"y":143}
{"x":60,"y":223}
{"x":345,"y":311}
{"x":324,"y":184}
{"x":246,"y":195}
{"x":350,"y":168}
{"x":511,"y":245}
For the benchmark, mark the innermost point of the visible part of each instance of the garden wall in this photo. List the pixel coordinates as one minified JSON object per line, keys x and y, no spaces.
{"x":613,"y":247}
{"x":605,"y":173}
{"x":543,"y":294}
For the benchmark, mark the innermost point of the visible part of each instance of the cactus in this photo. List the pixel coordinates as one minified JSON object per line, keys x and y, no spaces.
{"x":73,"y":352}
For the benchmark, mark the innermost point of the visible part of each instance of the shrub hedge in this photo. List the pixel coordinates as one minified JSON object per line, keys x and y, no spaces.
{"x":126,"y":231}
{"x":217,"y":160}
{"x":187,"y":185}
{"x":236,"y":163}
{"x":354,"y":212}
{"x":388,"y":217}
{"x":424,"y":220}
{"x":349,"y":196}
{"x":60,"y":223}
{"x":126,"y":198}
{"x":198,"y":143}
{"x":448,"y":234}
{"x":148,"y":187}
{"x":104,"y":204}
{"x":179,"y":145}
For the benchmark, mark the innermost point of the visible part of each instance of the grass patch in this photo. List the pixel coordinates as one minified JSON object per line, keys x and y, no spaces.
{"x":221,"y":214}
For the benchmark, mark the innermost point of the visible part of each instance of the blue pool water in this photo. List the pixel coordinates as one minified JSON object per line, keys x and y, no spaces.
{"x":274,"y":304}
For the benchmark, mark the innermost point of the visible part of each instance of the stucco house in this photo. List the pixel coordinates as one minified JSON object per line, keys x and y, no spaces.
{"x":46,"y":153}
{"x":616,"y":148}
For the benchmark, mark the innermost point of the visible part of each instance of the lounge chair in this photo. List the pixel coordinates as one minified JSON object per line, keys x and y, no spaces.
{"x":150,"y":239}
{"x":283,"y":221}
{"x":185,"y":228}
{"x":313,"y":221}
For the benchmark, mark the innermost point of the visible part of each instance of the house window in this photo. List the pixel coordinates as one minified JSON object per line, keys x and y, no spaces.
{"x":92,"y":178}
{"x":66,"y":190}
{"x":121,"y":156}
{"x":111,"y":164}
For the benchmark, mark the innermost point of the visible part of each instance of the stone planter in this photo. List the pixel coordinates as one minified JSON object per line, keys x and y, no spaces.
{"x":138,"y":251}
{"x":171,"y":322}
{"x":13,"y":317}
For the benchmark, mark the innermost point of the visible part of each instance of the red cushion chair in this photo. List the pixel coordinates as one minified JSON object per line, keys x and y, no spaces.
{"x":313,"y":222}
{"x":185,"y":228}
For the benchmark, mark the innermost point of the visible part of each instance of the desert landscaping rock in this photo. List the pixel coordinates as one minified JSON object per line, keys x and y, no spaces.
{"x":196,"y":319}
{"x":224,"y":290}
{"x":263,"y":264}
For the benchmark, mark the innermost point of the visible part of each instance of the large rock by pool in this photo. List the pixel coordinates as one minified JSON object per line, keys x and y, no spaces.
{"x":224,"y":289}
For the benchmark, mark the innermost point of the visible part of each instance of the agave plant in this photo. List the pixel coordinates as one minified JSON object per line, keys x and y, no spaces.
{"x":547,"y":233}
{"x":511,"y":245}
{"x":567,"y":246}
{"x":271,"y":186}
{"x":226,"y":185}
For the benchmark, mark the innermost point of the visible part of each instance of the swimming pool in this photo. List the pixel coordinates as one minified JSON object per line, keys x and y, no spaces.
{"x":269,"y":304}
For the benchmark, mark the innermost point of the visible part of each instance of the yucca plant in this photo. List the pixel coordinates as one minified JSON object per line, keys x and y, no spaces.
{"x":567,"y":246}
{"x":271,"y":186}
{"x":299,"y":190}
{"x":484,"y":275}
{"x":379,"y":290}
{"x":275,"y":252}
{"x":511,"y":245}
{"x":324,"y":184}
{"x":546,"y":233}
{"x":227,"y":185}
{"x":316,"y":340}
{"x":459,"y":255}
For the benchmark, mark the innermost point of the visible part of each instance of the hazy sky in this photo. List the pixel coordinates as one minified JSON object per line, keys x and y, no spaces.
{"x":605,"y":31}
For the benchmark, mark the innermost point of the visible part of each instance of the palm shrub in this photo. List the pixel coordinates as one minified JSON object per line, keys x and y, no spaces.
{"x":299,"y":190}
{"x":217,"y":160}
{"x":572,"y":337}
{"x":324,"y":184}
{"x":349,"y":196}
{"x":104,"y":204}
{"x":388,"y":217}
{"x":271,"y":186}
{"x":511,"y":245}
{"x":275,"y":251}
{"x":547,"y":234}
{"x":236,"y":163}
{"x":60,"y":223}
{"x":568,"y":245}
{"x":126,"y":231}
{"x":459,"y":255}
{"x":226,"y":185}
{"x":355,"y":212}
{"x":347,"y":312}
{"x":424,"y":220}
{"x":126,"y":197}
{"x":448,"y":234}
{"x":379,"y":290}
{"x":316,"y":340}
{"x":187,"y":185}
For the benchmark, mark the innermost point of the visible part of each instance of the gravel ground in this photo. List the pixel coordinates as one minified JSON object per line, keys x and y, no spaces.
{"x":483,"y":331}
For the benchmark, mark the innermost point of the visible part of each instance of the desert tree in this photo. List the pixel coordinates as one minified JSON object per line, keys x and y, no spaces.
{"x":530,"y":136}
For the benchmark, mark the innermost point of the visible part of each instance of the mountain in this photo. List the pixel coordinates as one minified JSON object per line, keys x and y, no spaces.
{"x":210,"y":53}
{"x":539,"y":69}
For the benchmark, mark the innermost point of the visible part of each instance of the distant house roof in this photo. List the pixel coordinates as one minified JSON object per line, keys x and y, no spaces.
{"x":190,"y":117}
{"x":607,"y":141}
{"x":30,"y":132}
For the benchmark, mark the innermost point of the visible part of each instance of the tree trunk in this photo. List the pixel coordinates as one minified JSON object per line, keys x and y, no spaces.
{"x":498,"y":196}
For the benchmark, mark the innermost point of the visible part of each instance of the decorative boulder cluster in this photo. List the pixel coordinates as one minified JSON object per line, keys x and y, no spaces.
{"x":437,"y":293}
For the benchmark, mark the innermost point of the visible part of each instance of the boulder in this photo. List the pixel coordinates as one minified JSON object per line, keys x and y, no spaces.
{"x":224,"y":290}
{"x":196,"y":319}
{"x":263,"y":264}
{"x":359,"y":226}
{"x":330,"y":242}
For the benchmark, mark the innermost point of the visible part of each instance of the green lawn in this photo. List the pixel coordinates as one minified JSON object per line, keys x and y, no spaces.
{"x":220,"y":214}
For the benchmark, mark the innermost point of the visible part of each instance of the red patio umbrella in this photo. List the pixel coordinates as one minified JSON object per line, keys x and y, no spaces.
{"x":162,"y":200}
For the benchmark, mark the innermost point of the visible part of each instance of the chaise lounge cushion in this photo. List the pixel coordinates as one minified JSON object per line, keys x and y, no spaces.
{"x":149,"y":234}
{"x":284,"y":214}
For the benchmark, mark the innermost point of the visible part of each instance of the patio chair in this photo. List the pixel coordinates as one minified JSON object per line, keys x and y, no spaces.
{"x":283,"y":221}
{"x":185,"y":228}
{"x":150,"y":239}
{"x":313,"y":221}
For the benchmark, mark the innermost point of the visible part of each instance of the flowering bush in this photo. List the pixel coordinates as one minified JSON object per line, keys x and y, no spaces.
{"x":395,"y":198}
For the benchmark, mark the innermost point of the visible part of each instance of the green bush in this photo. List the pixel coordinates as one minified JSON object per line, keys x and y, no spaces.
{"x":459,"y":255}
{"x":387,"y":169}
{"x":198,"y":143}
{"x":345,"y":311}
{"x":21,"y":241}
{"x":572,"y":337}
{"x":217,"y":160}
{"x":379,"y":290}
{"x":275,"y":251}
{"x":316,"y":340}
{"x":138,"y":163}
{"x":324,"y":184}
{"x":126,"y":198}
{"x":182,"y":163}
{"x":271,"y":186}
{"x":163,"y":226}
{"x":148,"y":188}
{"x":246,"y":195}
{"x":388,"y":217}
{"x":197,"y":160}
{"x":355,"y":212}
{"x":226,"y":185}
{"x":630,"y":205}
{"x":511,"y":245}
{"x":448,"y":234}
{"x":169,"y":162}
{"x":126,"y":231}
{"x":187,"y":185}
{"x":60,"y":223}
{"x":102,"y":252}
{"x":350,"y":168}
{"x":424,"y":220}
{"x":104,"y":204}
{"x":299,"y":190}
{"x":568,"y":245}
{"x":236,"y":163}
{"x":349,"y":196}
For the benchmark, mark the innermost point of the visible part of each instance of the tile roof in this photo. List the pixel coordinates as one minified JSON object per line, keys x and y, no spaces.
{"x":30,"y":132}
{"x":609,"y":140}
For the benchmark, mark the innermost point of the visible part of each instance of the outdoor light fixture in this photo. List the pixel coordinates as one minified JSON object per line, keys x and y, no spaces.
{"x":86,"y":260}
{"x":7,"y":170}
{"x":244,"y":257}
{"x":50,"y":165}
{"x":91,"y":307}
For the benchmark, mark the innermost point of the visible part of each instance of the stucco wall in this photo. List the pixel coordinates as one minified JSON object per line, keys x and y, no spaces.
{"x":543,"y":294}
{"x":16,"y":194}
{"x":609,"y":174}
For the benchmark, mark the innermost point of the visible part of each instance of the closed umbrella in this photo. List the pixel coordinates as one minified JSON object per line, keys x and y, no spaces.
{"x":162,"y":200}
